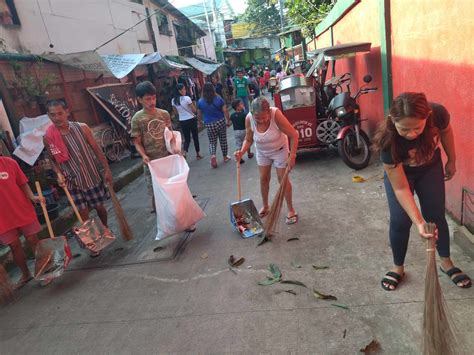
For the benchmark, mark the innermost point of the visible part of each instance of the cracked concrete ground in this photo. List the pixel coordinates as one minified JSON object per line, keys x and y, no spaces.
{"x":133,"y":300}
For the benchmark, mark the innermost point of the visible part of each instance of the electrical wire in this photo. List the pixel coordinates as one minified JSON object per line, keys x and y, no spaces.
{"x":51,"y":45}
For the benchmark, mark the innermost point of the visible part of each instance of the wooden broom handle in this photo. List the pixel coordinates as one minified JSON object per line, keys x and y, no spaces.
{"x":73,"y":205}
{"x":45,"y":210}
{"x":239,"y":191}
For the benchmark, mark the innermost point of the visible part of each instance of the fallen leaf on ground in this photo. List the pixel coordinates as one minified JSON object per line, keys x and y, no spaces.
{"x":158,"y":249}
{"x":204,"y":256}
{"x":344,"y":334}
{"x":322,"y":296}
{"x":294,"y":282}
{"x":275,"y":271}
{"x":269,"y":281}
{"x":292,"y":239}
{"x":343,"y":306}
{"x":316,"y":267}
{"x":371,"y":348}
{"x":235,"y":263}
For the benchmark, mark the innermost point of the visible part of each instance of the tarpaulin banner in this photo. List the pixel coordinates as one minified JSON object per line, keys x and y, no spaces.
{"x":118,"y":100}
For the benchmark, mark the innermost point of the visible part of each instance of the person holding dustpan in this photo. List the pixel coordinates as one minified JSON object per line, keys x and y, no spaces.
{"x":270,"y":130}
{"x":74,"y":154}
{"x":18,"y":215}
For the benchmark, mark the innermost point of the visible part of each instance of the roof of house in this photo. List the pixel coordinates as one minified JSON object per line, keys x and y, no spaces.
{"x":180,"y":15}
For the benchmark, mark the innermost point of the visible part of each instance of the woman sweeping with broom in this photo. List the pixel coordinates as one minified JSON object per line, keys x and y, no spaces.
{"x":270,"y":130}
{"x":408,"y":142}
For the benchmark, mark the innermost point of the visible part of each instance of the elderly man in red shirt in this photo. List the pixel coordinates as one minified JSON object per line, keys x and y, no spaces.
{"x":18,"y":214}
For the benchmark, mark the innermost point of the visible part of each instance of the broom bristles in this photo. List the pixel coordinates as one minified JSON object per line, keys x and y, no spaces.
{"x":271,"y":224}
{"x":125,"y":229}
{"x":6,"y":290}
{"x":439,"y":336}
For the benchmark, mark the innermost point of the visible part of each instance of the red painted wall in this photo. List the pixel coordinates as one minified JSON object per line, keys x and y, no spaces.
{"x":432,"y":53}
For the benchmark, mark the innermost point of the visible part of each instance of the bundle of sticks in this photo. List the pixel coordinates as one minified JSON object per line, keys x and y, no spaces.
{"x":273,"y":219}
{"x":439,"y":337}
{"x":6,"y":289}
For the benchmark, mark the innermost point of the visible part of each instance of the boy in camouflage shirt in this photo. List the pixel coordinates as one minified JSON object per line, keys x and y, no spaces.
{"x":148,"y":126}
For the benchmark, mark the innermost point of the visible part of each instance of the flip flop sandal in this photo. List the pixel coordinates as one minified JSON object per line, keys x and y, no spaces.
{"x":459,"y":278}
{"x":392,"y":279}
{"x":22,"y":283}
{"x":292,"y":219}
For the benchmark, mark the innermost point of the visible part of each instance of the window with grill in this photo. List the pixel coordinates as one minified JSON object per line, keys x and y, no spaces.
{"x":163,"y":24}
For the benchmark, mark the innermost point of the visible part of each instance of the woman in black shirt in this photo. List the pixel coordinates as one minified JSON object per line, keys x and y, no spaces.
{"x":408,"y":143}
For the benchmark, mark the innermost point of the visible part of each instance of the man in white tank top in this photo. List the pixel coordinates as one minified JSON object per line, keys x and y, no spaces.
{"x":271,"y":130}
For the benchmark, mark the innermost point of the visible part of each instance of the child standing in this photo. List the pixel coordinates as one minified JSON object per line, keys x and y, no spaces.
{"x":238,"y":121}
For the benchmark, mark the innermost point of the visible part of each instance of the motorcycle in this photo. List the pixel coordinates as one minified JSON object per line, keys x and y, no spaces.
{"x":341,"y":125}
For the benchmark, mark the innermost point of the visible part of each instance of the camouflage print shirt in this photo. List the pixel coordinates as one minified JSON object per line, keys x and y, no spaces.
{"x":150,"y":128}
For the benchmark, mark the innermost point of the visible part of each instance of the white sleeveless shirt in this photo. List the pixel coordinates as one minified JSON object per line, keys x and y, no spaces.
{"x":272,"y":140}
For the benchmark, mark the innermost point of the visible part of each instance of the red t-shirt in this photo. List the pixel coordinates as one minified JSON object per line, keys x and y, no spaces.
{"x":16,"y":210}
{"x":266,"y":75}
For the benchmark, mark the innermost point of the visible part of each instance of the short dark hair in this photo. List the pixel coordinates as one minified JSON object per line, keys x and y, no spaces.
{"x":145,"y":88}
{"x":59,"y":102}
{"x":236,"y":103}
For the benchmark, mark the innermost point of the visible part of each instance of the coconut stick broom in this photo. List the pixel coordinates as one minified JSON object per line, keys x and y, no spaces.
{"x":6,"y":290}
{"x":271,"y":225}
{"x":125,"y":229}
{"x":439,"y":337}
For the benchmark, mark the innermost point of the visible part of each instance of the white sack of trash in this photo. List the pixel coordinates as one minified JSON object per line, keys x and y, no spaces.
{"x":176,"y":209}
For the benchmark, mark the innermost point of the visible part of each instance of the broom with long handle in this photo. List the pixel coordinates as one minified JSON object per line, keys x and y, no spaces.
{"x":124,"y":227}
{"x":439,"y":337}
{"x":6,"y":289}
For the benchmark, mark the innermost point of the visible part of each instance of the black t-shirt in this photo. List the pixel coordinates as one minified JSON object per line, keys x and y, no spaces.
{"x":238,"y":120}
{"x":440,"y":119}
{"x":219,"y":87}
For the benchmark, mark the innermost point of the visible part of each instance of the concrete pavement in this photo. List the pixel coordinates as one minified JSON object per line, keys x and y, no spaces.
{"x":184,"y":299}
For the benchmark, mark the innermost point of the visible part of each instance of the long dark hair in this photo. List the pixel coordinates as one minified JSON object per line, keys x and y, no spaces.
{"x":177,"y":95}
{"x":208,"y":92}
{"x":407,"y":104}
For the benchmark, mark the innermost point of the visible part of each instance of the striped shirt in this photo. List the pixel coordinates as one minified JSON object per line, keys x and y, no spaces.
{"x":81,"y":170}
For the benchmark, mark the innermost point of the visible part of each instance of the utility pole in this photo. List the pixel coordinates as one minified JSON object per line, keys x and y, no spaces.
{"x":281,"y":4}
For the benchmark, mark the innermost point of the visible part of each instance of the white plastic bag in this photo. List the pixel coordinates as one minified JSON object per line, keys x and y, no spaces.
{"x":176,"y":210}
{"x":174,"y":148}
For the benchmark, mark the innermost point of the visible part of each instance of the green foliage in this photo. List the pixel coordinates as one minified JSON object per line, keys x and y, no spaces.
{"x":264,"y":15}
{"x":307,"y":13}
{"x":26,"y":80}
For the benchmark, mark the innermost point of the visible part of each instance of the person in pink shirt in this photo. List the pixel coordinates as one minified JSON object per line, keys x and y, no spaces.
{"x":18,"y":214}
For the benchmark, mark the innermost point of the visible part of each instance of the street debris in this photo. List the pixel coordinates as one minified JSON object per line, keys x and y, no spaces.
{"x":287,"y":291}
{"x":343,"y":306}
{"x":322,"y":296}
{"x":372,"y":348}
{"x":292,"y":239}
{"x":298,"y":266}
{"x":293,"y":282}
{"x":235,"y":263}
{"x":204,"y":256}
{"x":344,"y":334}
{"x":316,"y":267}
{"x":158,"y":249}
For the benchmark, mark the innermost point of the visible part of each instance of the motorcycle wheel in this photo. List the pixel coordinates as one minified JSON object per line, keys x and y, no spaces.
{"x":355,"y":158}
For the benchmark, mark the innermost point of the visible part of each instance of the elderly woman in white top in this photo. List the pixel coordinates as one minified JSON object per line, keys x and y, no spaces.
{"x":271,"y":130}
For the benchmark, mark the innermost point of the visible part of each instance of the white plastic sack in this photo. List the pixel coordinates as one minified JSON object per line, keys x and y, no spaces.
{"x":176,"y":210}
{"x":176,"y":147}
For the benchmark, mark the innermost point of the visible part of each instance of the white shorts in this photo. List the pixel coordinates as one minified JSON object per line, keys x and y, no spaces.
{"x":278,"y":158}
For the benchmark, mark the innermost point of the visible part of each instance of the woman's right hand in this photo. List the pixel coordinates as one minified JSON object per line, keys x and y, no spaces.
{"x":424,"y":234}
